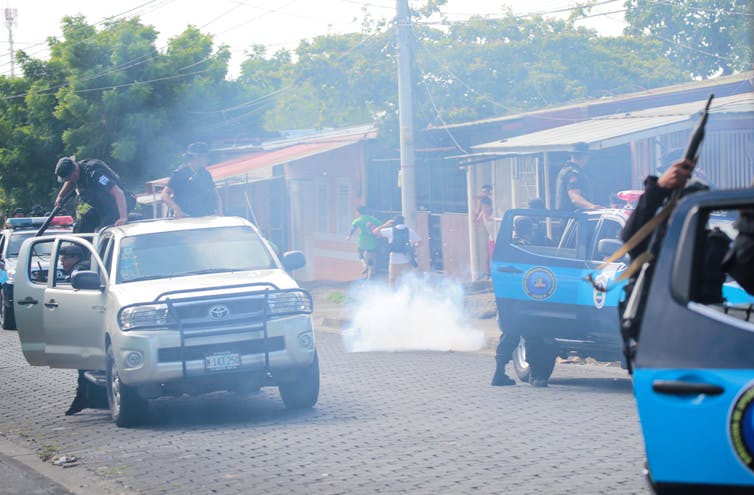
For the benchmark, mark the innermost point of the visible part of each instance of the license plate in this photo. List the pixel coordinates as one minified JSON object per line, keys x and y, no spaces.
{"x":222,"y":361}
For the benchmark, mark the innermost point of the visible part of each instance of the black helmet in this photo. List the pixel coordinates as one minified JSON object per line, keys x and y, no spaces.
{"x":65,"y":168}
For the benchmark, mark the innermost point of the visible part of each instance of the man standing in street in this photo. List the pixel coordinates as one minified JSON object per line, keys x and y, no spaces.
{"x":572,"y":182}
{"x":190,"y":191}
{"x":402,"y":241}
{"x":104,"y":201}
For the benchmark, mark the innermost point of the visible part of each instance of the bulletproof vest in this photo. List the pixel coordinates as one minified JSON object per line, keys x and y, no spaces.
{"x":95,"y":196}
{"x":400,"y":240}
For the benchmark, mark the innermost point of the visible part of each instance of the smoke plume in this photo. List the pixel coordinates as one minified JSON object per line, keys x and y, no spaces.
{"x":420,"y":314}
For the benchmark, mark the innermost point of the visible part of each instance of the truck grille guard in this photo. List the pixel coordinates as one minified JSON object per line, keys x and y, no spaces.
{"x":247,"y":308}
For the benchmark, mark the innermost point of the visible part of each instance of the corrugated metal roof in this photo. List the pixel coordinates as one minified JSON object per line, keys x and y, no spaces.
{"x":259,"y":165}
{"x":614,"y":130}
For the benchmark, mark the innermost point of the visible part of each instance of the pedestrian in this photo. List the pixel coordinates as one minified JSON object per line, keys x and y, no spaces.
{"x":484,"y":216}
{"x":367,"y":242}
{"x":190,"y":191}
{"x":104,"y":202}
{"x":572,"y":182}
{"x":402,"y":242}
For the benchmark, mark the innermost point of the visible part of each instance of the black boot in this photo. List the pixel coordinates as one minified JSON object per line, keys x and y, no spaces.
{"x":79,"y":403}
{"x":501,"y":379}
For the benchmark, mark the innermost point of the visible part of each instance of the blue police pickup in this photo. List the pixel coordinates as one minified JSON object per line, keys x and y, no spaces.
{"x":694,"y":365}
{"x":540,"y":261}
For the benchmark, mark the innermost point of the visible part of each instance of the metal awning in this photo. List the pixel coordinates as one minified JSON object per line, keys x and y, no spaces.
{"x":615,"y":130}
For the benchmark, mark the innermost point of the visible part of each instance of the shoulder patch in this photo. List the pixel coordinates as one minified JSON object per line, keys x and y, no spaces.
{"x":103,"y":180}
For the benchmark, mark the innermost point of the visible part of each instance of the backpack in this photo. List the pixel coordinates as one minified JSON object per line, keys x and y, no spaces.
{"x":400,"y":242}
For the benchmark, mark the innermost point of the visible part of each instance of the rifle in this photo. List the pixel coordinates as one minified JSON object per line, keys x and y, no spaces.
{"x":632,"y":308}
{"x":656,"y":225}
{"x":53,"y":213}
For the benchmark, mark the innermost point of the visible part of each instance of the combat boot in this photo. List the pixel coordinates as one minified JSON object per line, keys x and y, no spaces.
{"x":501,"y":379}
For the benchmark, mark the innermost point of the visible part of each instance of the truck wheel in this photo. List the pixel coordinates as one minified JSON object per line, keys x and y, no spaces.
{"x":7,"y":316}
{"x":522,"y":367}
{"x":303,"y":392}
{"x":520,"y":364}
{"x":126,"y":407}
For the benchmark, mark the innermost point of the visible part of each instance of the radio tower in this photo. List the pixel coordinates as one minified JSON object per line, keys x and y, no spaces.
{"x":10,"y":23}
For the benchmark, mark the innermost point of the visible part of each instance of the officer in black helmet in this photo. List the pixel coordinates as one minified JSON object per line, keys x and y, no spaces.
{"x":97,"y":186}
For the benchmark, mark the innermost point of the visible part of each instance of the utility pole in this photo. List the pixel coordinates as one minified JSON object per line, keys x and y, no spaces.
{"x":10,"y":23}
{"x":407,"y":174}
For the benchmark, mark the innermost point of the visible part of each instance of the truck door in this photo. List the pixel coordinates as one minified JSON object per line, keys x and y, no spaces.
{"x":542,"y":276}
{"x":694,"y":368}
{"x":74,"y":319}
{"x":29,"y":287}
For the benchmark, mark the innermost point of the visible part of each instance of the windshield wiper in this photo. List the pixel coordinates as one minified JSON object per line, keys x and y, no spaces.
{"x":208,"y":270}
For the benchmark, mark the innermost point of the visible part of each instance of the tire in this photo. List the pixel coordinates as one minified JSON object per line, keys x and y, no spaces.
{"x":522,"y":366}
{"x":303,"y":392}
{"x":7,"y":316}
{"x":126,"y":407}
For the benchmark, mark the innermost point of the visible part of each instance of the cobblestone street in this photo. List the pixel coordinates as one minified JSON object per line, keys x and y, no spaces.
{"x":386,"y":422}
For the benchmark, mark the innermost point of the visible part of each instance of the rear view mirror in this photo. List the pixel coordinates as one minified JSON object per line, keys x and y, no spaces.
{"x":293,"y":260}
{"x":606,"y":247}
{"x":86,"y":280}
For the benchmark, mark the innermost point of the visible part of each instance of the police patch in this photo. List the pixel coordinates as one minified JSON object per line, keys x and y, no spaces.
{"x":599,"y":296}
{"x":741,"y":427}
{"x":103,"y":180}
{"x":539,"y":283}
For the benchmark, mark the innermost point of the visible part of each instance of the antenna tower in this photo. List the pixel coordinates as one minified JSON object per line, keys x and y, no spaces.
{"x":10,"y":22}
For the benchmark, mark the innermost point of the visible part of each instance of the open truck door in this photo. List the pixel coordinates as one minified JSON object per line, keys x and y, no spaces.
{"x":694,"y":365}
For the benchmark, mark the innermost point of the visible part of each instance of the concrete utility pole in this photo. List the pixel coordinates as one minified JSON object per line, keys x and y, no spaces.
{"x":407,"y":174}
{"x":10,"y":23}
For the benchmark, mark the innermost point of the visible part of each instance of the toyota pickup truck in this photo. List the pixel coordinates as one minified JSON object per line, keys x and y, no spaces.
{"x":693,"y":372}
{"x":170,"y":307}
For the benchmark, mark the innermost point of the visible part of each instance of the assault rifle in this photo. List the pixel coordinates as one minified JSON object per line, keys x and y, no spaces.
{"x":54,"y":212}
{"x":632,"y":308}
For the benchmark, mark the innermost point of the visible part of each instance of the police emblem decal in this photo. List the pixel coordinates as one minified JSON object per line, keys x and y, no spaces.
{"x":218,"y":312}
{"x":599,"y":296}
{"x":741,"y":427}
{"x":539,"y":283}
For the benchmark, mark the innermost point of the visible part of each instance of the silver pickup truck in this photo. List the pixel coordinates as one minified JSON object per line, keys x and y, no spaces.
{"x":169,"y":307}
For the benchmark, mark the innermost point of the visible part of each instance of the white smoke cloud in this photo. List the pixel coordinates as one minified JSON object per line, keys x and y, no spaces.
{"x":420,"y":314}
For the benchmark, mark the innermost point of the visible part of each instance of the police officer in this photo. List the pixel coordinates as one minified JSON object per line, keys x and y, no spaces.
{"x":572,"y":182}
{"x":87,"y":394}
{"x":190,"y":191}
{"x":97,"y":186}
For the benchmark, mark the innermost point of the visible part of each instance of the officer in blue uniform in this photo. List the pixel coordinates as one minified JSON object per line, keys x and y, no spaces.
{"x":572,"y":182}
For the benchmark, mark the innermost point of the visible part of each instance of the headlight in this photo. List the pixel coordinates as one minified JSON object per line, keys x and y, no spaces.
{"x":148,"y":315}
{"x":289,"y":302}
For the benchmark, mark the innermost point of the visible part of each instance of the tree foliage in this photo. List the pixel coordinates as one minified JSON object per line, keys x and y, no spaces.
{"x":703,"y":37}
{"x":109,"y":92}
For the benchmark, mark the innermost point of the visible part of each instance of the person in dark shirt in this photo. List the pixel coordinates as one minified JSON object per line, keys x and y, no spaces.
{"x":572,"y":182}
{"x":105,"y":203}
{"x":190,"y":191}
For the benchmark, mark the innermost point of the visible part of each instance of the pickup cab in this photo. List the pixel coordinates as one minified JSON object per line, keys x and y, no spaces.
{"x":170,"y":307}
{"x":693,"y":372}
{"x":539,"y":266}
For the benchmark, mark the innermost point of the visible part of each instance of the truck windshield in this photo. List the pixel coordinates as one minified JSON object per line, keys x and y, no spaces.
{"x":191,"y":252}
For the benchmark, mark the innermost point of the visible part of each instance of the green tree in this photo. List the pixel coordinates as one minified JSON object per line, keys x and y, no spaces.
{"x":704,"y":37}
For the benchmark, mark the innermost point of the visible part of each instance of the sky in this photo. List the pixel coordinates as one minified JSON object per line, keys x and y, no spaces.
{"x":241,"y":23}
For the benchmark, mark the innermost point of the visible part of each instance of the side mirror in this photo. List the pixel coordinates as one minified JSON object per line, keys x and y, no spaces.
{"x":86,"y":280}
{"x":293,"y":260}
{"x":606,"y":247}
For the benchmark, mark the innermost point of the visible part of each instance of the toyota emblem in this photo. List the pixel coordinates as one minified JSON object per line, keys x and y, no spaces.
{"x":219,"y":312}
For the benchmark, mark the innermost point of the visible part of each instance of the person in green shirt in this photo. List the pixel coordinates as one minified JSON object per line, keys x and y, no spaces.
{"x":367,"y":242}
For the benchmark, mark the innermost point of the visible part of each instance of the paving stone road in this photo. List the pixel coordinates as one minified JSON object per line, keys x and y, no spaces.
{"x":386,"y":422}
